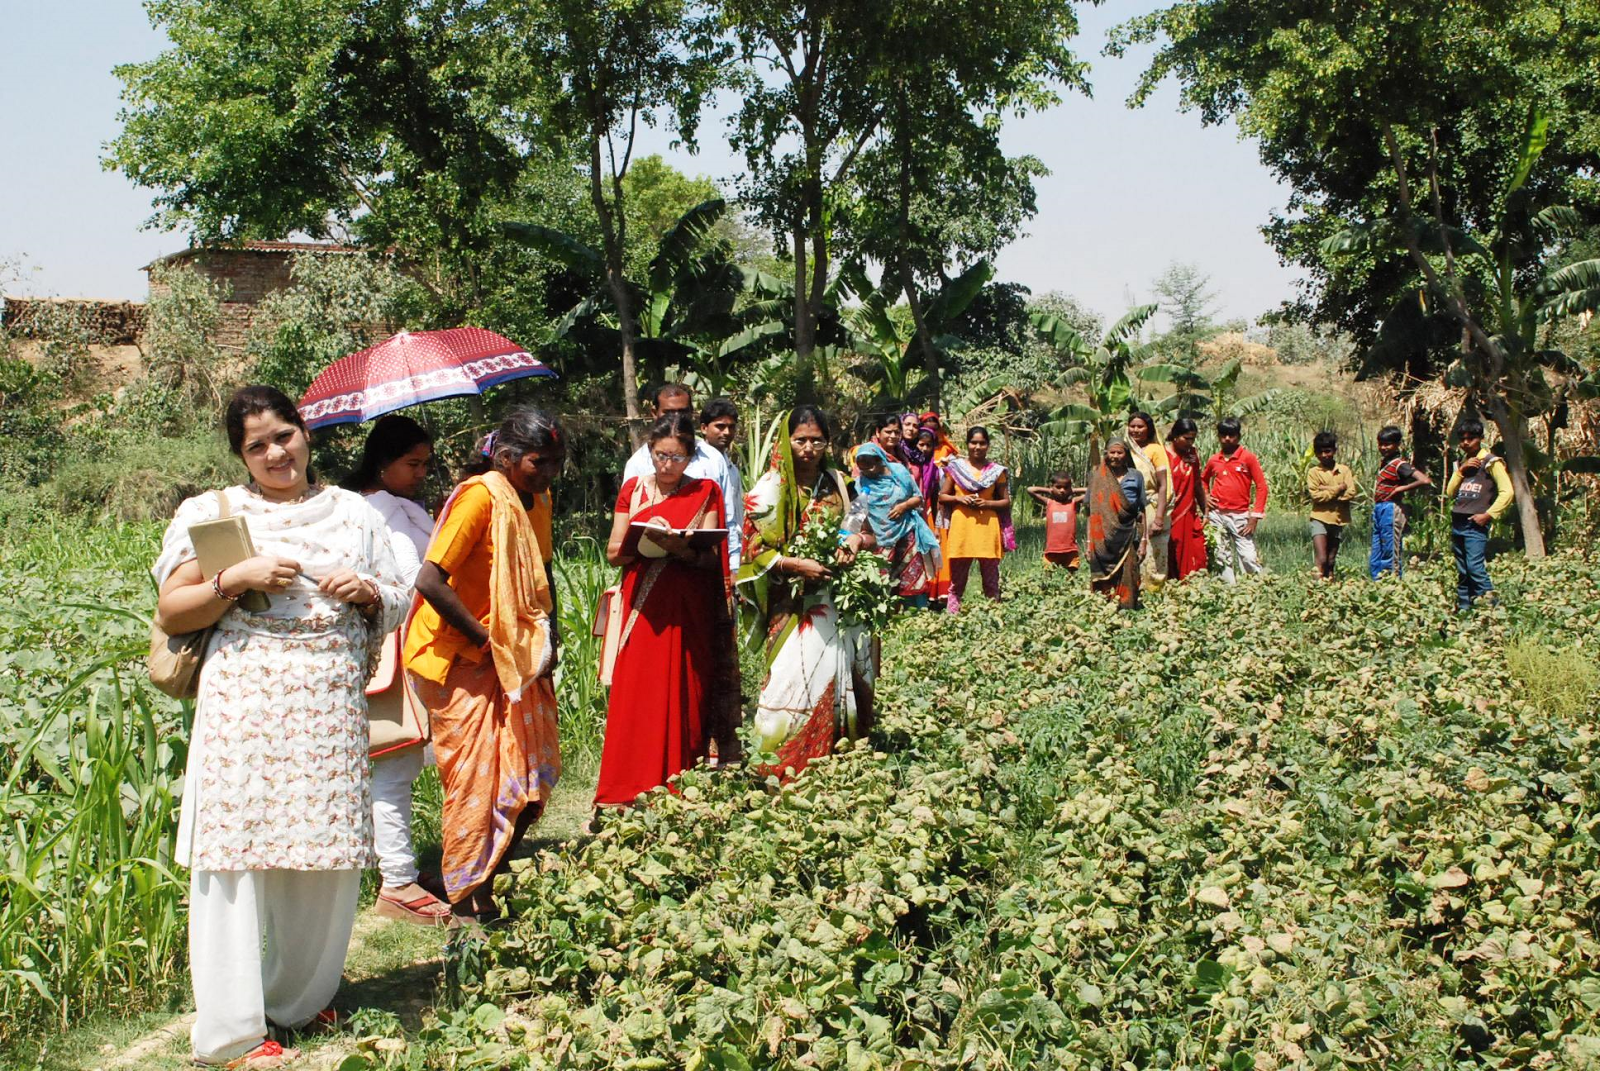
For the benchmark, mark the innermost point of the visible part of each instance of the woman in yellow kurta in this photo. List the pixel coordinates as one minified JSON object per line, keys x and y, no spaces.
{"x":975,"y":512}
{"x":480,"y":651}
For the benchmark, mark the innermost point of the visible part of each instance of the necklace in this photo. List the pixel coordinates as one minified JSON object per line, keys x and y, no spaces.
{"x":312,"y":490}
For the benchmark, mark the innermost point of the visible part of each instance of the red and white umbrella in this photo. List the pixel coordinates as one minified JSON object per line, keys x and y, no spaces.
{"x":413,"y":367}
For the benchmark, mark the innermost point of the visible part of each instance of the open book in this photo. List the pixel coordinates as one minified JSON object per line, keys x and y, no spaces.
{"x":223,"y":542}
{"x":699,"y":538}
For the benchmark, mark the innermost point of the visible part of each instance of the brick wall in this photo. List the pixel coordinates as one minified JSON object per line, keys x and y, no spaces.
{"x":109,"y":323}
{"x":247,"y":276}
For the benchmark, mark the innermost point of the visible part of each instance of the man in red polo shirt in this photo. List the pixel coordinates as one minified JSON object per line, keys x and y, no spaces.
{"x":1237,"y":491}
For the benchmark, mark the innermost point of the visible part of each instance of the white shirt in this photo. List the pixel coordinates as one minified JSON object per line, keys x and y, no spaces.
{"x":410,"y":530}
{"x":708,"y":463}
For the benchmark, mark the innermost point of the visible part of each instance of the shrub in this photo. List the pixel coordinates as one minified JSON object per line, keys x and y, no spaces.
{"x":334,"y":306}
{"x":185,"y":374}
{"x":139,"y":478}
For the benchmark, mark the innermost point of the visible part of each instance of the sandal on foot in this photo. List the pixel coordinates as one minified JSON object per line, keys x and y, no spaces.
{"x":266,"y":1055}
{"x":424,"y":910}
{"x":326,"y":1021}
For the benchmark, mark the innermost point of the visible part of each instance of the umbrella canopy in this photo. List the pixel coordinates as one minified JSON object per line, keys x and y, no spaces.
{"x":412,"y":367}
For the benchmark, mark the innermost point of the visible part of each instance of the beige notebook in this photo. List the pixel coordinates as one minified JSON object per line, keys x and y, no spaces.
{"x":221,"y":543}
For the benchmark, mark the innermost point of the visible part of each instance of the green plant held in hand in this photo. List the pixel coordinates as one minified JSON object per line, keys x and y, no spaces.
{"x":863,"y":592}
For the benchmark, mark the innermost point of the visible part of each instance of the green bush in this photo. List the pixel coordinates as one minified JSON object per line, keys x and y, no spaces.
{"x":141,"y":478}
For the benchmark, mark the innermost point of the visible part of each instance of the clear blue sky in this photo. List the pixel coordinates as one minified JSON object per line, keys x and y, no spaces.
{"x":1129,"y":191}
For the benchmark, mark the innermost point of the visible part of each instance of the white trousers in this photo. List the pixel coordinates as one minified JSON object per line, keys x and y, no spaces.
{"x":302,"y":917}
{"x":1231,"y":540}
{"x":392,"y":775}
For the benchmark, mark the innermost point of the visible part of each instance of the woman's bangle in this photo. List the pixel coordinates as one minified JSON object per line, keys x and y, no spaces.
{"x":216,"y":589}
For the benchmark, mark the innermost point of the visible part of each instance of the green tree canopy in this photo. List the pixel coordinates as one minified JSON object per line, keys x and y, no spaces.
{"x":1456,"y":139}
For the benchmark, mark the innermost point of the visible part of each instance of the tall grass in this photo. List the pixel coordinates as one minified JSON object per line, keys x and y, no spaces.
{"x":91,"y":766}
{"x":582,"y":576}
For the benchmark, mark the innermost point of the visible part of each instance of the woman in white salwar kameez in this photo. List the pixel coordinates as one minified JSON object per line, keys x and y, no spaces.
{"x":276,"y":824}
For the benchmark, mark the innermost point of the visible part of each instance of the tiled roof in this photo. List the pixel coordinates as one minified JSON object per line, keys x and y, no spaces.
{"x":255,"y":247}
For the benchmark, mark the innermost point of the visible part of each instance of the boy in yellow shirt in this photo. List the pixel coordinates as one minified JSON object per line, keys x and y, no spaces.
{"x":1332,"y":487}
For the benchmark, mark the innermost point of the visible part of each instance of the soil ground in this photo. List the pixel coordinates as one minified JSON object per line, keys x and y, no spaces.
{"x":392,"y":966}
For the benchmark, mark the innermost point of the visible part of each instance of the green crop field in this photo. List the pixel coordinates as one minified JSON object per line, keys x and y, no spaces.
{"x":1279,"y":825}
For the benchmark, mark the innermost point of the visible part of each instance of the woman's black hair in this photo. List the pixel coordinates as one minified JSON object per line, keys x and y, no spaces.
{"x":979,"y":429}
{"x":885,"y":420}
{"x":249,"y":401}
{"x":673,"y":424}
{"x":391,"y":438}
{"x":810,"y":414}
{"x":524,"y":430}
{"x":1325,"y":440}
{"x":1183,"y":426}
{"x":1149,"y":421}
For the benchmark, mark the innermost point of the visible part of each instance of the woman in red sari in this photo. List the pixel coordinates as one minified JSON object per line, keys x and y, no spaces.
{"x":1187,"y":549}
{"x":662,"y":684}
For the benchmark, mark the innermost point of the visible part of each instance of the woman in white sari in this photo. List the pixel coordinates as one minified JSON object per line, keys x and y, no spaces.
{"x":276,"y":825}
{"x":818,"y":687}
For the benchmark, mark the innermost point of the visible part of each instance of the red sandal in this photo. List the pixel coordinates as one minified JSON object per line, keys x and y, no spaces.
{"x":424,"y":910}
{"x":266,"y":1055}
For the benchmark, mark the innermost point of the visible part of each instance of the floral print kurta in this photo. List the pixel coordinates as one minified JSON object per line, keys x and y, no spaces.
{"x":277,"y":776}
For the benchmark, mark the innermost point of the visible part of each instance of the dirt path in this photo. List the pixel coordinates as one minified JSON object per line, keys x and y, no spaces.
{"x":392,"y":966}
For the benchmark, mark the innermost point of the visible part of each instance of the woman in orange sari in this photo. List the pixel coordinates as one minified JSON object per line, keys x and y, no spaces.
{"x":480,"y":651}
{"x":663,"y":681}
{"x":1117,"y":501}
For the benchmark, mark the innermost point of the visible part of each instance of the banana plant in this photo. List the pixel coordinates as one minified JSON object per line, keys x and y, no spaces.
{"x":685,"y":304}
{"x":1197,"y":394}
{"x":897,"y":368}
{"x":1107,"y":373}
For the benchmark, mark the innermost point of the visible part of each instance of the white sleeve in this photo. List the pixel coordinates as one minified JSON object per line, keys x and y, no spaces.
{"x":638,"y":465}
{"x":405,"y":556}
{"x":733,"y":506}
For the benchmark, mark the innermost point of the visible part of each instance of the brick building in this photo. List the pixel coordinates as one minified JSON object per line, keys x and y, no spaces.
{"x":248,"y":271}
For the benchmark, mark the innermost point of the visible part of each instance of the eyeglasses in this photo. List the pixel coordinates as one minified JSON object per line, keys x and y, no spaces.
{"x":669,"y":459}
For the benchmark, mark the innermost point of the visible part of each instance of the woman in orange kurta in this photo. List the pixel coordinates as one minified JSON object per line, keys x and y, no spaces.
{"x":942,"y":454}
{"x":663,"y":681}
{"x":480,"y":651}
{"x":975,"y":512}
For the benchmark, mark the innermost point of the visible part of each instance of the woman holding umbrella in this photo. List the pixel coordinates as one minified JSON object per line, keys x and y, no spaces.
{"x":480,"y":651}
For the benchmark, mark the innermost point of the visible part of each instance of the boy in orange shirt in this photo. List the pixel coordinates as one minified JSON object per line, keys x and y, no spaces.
{"x":1060,"y":504}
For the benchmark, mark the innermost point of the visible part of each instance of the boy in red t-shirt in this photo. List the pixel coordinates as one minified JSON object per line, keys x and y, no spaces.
{"x":1236,"y":489}
{"x":1060,"y":505}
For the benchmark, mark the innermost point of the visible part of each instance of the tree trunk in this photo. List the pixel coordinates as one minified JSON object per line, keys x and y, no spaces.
{"x":804,"y":332}
{"x":1513,"y":432}
{"x":930,"y":355}
{"x":819,"y":279}
{"x":611,"y":238}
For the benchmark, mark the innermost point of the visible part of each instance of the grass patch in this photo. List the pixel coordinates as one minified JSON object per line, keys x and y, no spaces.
{"x":1560,"y":681}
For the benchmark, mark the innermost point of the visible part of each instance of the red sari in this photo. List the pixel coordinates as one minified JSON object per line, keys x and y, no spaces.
{"x":663,"y":686}
{"x":1187,"y":549}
